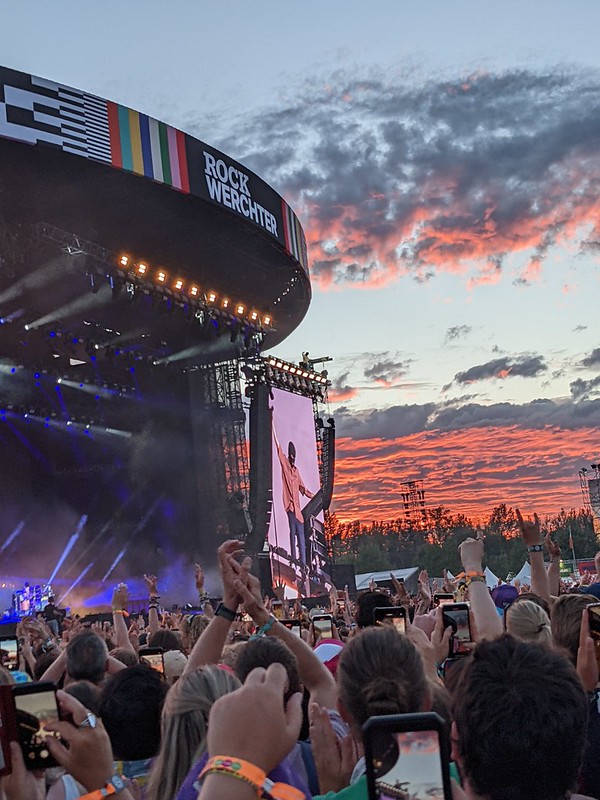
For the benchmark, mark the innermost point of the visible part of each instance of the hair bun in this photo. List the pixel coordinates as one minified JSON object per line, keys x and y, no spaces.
{"x":382,"y":696}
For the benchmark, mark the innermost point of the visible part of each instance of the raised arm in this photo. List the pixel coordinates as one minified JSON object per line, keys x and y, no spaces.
{"x":484,"y":612}
{"x":553,"y":571}
{"x":531,"y":533}
{"x":153,"y":598}
{"x":119,"y":609}
{"x":313,"y":674}
{"x":209,"y":647}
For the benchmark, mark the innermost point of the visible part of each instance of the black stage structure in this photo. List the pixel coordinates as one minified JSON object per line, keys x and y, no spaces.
{"x":140,"y":271}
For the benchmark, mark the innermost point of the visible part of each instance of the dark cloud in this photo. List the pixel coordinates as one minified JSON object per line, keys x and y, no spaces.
{"x":443,"y":176}
{"x":340,"y":391}
{"x":585,"y":390}
{"x":457,"y":332}
{"x":521,"y":366}
{"x":387,"y":371}
{"x":593,"y":360}
{"x":398,"y":421}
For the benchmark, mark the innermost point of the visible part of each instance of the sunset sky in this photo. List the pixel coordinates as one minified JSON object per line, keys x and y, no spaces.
{"x":444,"y":159}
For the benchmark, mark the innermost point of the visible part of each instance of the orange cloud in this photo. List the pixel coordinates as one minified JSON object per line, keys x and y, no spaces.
{"x":470,"y":470}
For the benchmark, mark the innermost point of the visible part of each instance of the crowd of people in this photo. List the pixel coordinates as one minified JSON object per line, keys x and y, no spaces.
{"x":249,"y":699}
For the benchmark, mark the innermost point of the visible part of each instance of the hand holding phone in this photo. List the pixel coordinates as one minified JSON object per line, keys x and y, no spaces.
{"x":456,"y":616}
{"x":593,"y":611}
{"x":9,"y":652}
{"x":277,"y":609}
{"x":154,"y":657}
{"x":396,"y":616}
{"x":35,"y":707}
{"x":322,"y":625}
{"x":294,"y":625}
{"x":407,"y":756}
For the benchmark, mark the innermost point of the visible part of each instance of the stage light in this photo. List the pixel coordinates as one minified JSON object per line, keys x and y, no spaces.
{"x":266,"y":320}
{"x":179,"y":284}
{"x":225,"y":303}
{"x":193,"y":291}
{"x":142,"y":269}
{"x":124,"y":261}
{"x":293,"y":370}
{"x":240,"y":309}
{"x":212,"y":296}
{"x":254,"y":316}
{"x":279,"y":364}
{"x":305,"y":374}
{"x":162,"y":276}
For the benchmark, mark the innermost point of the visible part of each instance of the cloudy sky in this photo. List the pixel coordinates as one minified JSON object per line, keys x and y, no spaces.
{"x":445,"y":161}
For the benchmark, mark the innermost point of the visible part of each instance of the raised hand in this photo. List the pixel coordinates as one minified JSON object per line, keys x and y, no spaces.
{"x":233,"y":730}
{"x":228,"y":569}
{"x":152,"y":585}
{"x":424,"y":590}
{"x":199,"y":578}
{"x":531,"y":532}
{"x":552,"y":547}
{"x":587,"y":666}
{"x":120,"y":597}
{"x":471,"y":554}
{"x":334,"y":759}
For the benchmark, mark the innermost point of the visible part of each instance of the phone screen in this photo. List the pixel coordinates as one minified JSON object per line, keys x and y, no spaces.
{"x":409,"y":764}
{"x":277,"y":608}
{"x":443,"y":599}
{"x":391,"y":616}
{"x":33,"y":712}
{"x":323,"y":627}
{"x":9,"y":654}
{"x":457,"y":617}
{"x":594,"y":617}
{"x":155,"y":660}
{"x":293,"y":625}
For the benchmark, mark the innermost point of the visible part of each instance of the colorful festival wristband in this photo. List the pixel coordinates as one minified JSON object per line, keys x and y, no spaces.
{"x":249,"y":773}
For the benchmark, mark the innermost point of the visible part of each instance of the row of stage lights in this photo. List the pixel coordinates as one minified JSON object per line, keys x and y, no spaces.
{"x":297,"y":370}
{"x":161,"y":278}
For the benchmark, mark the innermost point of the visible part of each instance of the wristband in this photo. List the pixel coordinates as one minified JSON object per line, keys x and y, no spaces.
{"x":226,"y":613}
{"x":264,"y":629}
{"x":475,"y":578}
{"x":202,"y":598}
{"x":120,"y":611}
{"x":256,"y":777}
{"x":113,"y":786}
{"x":535,"y":548}
{"x":154,"y":598}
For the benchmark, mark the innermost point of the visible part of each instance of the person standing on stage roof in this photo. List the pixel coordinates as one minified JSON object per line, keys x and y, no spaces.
{"x":292,"y":487}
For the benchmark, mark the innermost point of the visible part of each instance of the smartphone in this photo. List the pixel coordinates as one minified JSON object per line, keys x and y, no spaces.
{"x":396,"y":616}
{"x":407,"y":756}
{"x":294,"y":625}
{"x":322,"y":626}
{"x":35,"y":707}
{"x":154,"y":657}
{"x":277,"y":609}
{"x":9,"y":653}
{"x":456,"y":615}
{"x":594,"y":618}
{"x":443,"y":598}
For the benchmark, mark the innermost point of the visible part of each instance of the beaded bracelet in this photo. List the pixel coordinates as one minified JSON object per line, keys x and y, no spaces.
{"x":249,"y":773}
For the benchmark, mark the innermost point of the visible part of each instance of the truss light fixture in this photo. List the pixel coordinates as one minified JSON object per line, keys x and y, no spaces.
{"x":225,"y":302}
{"x":142,"y":269}
{"x":266,"y":320}
{"x":124,"y":261}
{"x":194,"y":291}
{"x":179,"y":284}
{"x":240,"y":308}
{"x":161,"y":276}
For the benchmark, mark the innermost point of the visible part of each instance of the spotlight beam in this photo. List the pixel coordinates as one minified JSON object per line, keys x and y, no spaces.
{"x":115,"y":562}
{"x":68,"y":548}
{"x":76,"y":582}
{"x":11,"y":537}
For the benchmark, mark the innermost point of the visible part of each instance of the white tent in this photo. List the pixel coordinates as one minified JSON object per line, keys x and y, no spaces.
{"x":524,"y":574}
{"x":409,"y":576}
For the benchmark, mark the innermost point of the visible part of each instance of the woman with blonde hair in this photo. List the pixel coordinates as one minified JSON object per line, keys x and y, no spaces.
{"x":529,"y":622}
{"x":184,"y":726}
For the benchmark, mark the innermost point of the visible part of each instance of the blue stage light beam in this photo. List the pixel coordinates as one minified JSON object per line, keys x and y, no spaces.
{"x":74,"y":584}
{"x":115,"y":562}
{"x":68,"y":548}
{"x":10,"y":539}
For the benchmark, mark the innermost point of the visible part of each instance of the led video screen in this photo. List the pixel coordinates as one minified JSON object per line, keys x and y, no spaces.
{"x":296,"y":540}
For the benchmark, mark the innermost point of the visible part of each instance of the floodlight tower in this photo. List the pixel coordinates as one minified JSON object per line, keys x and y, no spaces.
{"x":589,"y":480}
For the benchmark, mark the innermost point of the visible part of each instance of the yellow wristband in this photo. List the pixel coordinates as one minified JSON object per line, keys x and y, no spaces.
{"x":255,"y":776}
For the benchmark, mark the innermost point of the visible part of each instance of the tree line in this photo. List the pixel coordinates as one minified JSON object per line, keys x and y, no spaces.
{"x":432,"y":541}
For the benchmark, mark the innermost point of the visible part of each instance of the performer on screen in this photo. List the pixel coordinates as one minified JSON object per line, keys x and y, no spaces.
{"x":293,"y":487}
